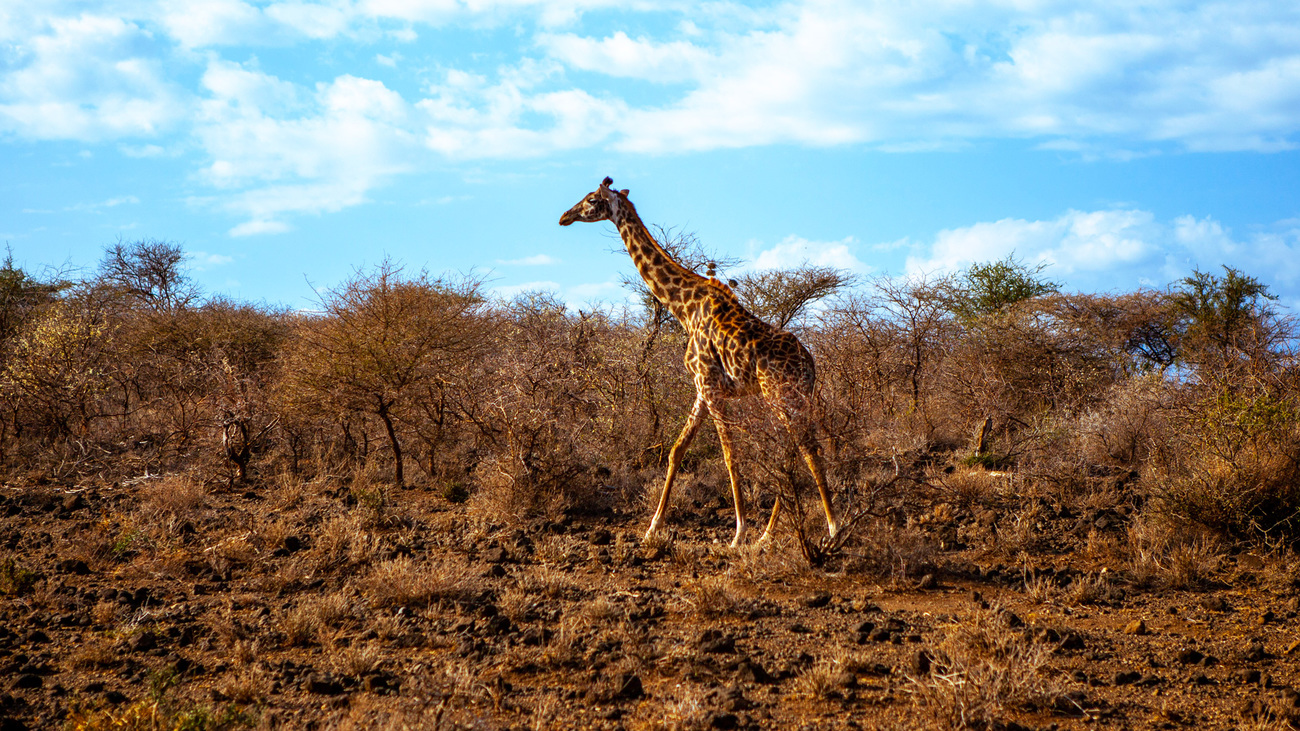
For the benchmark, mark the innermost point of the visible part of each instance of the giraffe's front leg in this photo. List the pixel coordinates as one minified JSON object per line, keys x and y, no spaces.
{"x":675,"y":461}
{"x":718,"y":412}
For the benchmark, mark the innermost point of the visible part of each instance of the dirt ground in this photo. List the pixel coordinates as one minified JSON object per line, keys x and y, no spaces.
{"x":166,"y":603}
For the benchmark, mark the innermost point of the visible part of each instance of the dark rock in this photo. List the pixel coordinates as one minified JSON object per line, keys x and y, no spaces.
{"x":1254,"y":652}
{"x":724,"y":721}
{"x":1189,"y":656}
{"x":1249,"y":677}
{"x":1127,"y":677}
{"x":1215,"y":604}
{"x":918,"y":664}
{"x":749,"y":671}
{"x":816,"y":601}
{"x":323,"y":685}
{"x":1071,"y":703}
{"x":601,"y":537}
{"x":1072,"y":641}
{"x":37,"y":637}
{"x":1255,"y":709}
{"x":74,"y":566}
{"x":144,"y":642}
{"x":629,"y":686}
{"x":292,"y":544}
{"x":1200,"y":679}
{"x":800,"y":629}
{"x":499,"y":625}
{"x":880,"y":635}
{"x":715,"y":642}
{"x":28,"y":680}
{"x":115,"y":697}
{"x":378,"y":684}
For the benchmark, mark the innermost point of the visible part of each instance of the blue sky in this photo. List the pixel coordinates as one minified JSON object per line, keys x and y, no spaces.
{"x":286,"y":143}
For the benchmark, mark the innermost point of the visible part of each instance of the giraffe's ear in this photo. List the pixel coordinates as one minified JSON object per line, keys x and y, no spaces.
{"x":624,"y":192}
{"x":608,"y":181}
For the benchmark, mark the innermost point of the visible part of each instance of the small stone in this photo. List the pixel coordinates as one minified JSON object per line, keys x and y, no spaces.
{"x":1200,"y":679}
{"x":1249,"y":677}
{"x":323,"y":685}
{"x":749,"y":671}
{"x":1136,"y":627}
{"x":717,"y":643}
{"x":1254,"y":652}
{"x":144,"y":642}
{"x":816,"y":601}
{"x":629,"y":686}
{"x":1215,"y":604}
{"x":1071,"y":703}
{"x":724,"y":721}
{"x":601,"y":537}
{"x":1189,"y":656}
{"x":918,"y":664}
{"x":37,"y":637}
{"x":1127,"y":677}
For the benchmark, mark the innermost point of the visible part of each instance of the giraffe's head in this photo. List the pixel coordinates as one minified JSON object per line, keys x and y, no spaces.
{"x":598,"y":205}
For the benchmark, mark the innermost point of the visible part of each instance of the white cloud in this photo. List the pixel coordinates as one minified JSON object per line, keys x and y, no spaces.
{"x":530,"y":261}
{"x":283,"y":150}
{"x":619,"y":55}
{"x":1116,"y":249}
{"x":255,"y":227}
{"x":202,"y":261}
{"x":795,"y":251}
{"x":87,"y":78}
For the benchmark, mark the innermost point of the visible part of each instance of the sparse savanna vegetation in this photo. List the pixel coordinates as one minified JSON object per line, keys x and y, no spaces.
{"x":416,"y":506}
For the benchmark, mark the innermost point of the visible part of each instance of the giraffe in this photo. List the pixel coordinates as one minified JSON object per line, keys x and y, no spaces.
{"x":729,"y":353}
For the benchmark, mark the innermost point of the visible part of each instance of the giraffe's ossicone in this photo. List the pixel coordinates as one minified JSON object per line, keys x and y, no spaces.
{"x":730,"y":353}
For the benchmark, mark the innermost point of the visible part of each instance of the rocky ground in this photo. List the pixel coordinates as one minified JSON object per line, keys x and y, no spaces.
{"x":168,"y":603}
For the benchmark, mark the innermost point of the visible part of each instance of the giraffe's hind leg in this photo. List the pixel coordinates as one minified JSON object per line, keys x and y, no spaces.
{"x":675,"y":460}
{"x":791,"y":406}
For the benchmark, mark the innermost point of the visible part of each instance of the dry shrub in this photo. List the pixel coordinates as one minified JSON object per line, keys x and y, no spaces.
{"x":358,"y":660}
{"x":826,"y":677}
{"x":405,"y":582}
{"x":1171,"y":554}
{"x":981,"y":671}
{"x":172,"y":501}
{"x":712,"y":596}
{"x":1092,"y":589}
{"x":881,"y":549}
{"x":1238,"y":470}
{"x":344,"y":541}
{"x":246,"y":686}
{"x":1130,"y":425}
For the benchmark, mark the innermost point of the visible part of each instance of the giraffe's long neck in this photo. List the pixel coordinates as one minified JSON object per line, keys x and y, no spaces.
{"x":670,"y":282}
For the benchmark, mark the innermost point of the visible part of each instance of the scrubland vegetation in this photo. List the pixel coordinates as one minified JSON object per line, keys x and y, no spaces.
{"x":419,"y":506}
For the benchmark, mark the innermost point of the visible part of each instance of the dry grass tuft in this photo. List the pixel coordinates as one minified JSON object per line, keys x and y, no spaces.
{"x":405,"y":582}
{"x":172,"y":501}
{"x":981,"y":670}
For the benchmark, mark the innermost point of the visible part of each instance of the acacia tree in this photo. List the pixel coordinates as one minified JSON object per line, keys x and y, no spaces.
{"x":383,"y":340}
{"x":783,"y":296}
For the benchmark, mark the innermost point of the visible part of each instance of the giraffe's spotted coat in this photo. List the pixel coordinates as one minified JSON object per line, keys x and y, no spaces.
{"x":730,"y":352}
